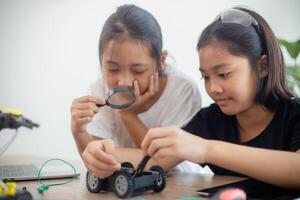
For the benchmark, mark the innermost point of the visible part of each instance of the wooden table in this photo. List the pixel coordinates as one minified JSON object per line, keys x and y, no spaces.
{"x":179,"y":185}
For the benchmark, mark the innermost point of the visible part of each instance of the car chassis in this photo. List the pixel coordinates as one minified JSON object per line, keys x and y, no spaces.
{"x":126,"y":182}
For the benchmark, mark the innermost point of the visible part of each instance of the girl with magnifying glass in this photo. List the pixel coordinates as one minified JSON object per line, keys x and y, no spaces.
{"x":131,"y":56}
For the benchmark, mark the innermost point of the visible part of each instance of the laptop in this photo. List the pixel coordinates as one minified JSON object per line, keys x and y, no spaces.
{"x":28,"y":172}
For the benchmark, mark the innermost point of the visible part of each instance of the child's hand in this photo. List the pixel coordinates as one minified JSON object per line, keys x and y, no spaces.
{"x":82,"y":111}
{"x":139,"y":105}
{"x":163,"y":143}
{"x":98,"y":158}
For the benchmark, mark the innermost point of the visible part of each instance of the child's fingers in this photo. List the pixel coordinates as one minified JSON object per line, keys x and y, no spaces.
{"x":108,"y":145}
{"x":82,"y":113}
{"x":97,"y":161}
{"x":147,"y":140}
{"x":86,"y":106}
{"x":96,"y":100}
{"x":97,"y":167}
{"x":151,"y":135}
{"x":162,"y":153}
{"x":156,"y":82}
{"x":80,"y":122}
{"x":137,"y":91}
{"x":105,"y":158}
{"x":87,"y":102}
{"x":99,"y":172}
{"x":104,"y":167}
{"x":152,"y":86}
{"x":158,"y":144}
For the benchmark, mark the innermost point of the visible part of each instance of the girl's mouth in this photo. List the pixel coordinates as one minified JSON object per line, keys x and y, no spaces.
{"x":222,"y":102}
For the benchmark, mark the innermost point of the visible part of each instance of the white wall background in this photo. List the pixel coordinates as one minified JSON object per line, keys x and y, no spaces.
{"x":48,"y":55}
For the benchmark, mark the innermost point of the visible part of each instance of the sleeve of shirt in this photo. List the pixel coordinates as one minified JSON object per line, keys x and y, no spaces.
{"x":103,"y":123}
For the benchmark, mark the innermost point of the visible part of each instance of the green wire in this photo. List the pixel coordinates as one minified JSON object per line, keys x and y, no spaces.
{"x":45,"y":185}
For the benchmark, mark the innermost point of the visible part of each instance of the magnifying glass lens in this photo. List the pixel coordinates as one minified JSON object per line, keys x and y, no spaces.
{"x":121,"y":98}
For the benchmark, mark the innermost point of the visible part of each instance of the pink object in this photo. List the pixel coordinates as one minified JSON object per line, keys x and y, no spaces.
{"x":233,"y":194}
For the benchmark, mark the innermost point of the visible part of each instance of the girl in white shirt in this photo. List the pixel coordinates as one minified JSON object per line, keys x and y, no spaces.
{"x":130,"y":51}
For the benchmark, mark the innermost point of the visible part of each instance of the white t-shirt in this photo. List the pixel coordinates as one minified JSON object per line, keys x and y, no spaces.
{"x":177,"y":105}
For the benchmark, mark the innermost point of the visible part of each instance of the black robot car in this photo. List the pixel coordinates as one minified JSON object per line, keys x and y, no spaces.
{"x":128,"y":182}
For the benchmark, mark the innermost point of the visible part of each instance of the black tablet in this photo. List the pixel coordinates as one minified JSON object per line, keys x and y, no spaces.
{"x":254,"y":190}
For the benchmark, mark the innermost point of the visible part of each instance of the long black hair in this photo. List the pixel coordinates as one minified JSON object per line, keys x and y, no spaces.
{"x":130,"y":21}
{"x":252,"y":42}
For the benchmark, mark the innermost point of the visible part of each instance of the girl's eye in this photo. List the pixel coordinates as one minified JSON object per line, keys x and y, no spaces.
{"x":138,"y":72}
{"x":224,"y":75}
{"x":204,"y":77}
{"x":113,"y":70}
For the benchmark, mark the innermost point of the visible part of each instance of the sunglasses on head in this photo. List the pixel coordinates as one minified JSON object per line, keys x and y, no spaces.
{"x":239,"y":17}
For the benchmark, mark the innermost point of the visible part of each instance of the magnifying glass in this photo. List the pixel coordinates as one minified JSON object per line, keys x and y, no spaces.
{"x":120,"y":97}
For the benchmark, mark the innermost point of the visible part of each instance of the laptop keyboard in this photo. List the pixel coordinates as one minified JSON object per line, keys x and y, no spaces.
{"x":13,"y":171}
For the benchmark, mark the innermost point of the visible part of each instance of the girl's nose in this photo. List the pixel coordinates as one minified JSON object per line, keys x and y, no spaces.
{"x":126,"y":80}
{"x":214,"y":87}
